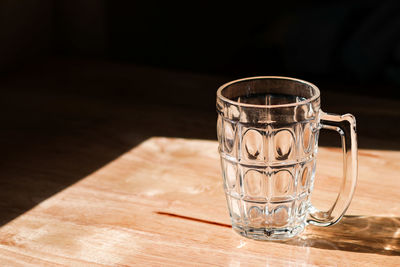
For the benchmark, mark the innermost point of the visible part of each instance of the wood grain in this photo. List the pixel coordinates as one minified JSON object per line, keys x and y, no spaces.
{"x":162,"y":203}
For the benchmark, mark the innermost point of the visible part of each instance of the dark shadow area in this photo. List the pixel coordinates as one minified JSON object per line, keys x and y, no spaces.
{"x":65,"y":119}
{"x":361,"y":234}
{"x":82,"y":82}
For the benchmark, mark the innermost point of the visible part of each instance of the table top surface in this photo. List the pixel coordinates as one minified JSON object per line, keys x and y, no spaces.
{"x":162,"y":203}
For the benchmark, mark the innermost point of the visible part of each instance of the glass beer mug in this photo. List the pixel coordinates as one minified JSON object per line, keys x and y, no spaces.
{"x":268,"y":131}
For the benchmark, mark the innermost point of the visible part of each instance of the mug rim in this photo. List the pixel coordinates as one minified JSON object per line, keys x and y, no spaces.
{"x":306,"y":101}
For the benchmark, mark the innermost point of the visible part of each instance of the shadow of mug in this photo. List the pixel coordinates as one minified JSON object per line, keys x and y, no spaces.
{"x":363,"y":234}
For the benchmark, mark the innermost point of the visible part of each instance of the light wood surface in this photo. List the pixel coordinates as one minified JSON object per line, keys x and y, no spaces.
{"x":162,"y":203}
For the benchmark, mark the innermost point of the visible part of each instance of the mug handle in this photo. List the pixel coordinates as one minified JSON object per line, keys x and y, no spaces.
{"x":345,"y":125}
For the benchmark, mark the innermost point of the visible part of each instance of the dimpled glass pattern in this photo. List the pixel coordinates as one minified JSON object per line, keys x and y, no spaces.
{"x":268,"y":155}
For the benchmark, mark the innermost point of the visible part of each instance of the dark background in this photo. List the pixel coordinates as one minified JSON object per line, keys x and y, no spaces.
{"x":356,"y":43}
{"x":82,"y":82}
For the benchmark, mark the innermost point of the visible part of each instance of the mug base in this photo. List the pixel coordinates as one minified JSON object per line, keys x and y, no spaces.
{"x":266,"y":234}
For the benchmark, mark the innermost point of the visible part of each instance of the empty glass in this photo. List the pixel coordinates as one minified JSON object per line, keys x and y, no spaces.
{"x":268,"y":140}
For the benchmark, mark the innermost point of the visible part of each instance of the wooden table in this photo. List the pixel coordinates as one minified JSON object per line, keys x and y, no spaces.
{"x":162,"y":203}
